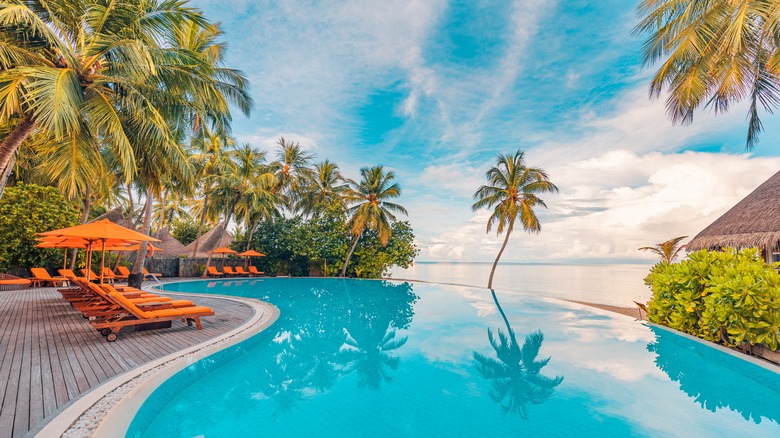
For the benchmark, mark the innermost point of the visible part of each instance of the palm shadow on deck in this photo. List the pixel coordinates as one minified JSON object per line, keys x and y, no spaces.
{"x":50,"y":355}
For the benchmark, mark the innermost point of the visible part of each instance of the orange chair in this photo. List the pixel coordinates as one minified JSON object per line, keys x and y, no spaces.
{"x":132,"y":315}
{"x":240,"y":271}
{"x":41,"y":277}
{"x":124,"y":271}
{"x":229,"y":271}
{"x":11,"y":282}
{"x":253,"y":270}
{"x":155,"y":276}
{"x":212,"y":272}
{"x":108,"y":272}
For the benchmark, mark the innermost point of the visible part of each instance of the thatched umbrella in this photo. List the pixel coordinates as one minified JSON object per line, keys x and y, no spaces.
{"x":753,"y":222}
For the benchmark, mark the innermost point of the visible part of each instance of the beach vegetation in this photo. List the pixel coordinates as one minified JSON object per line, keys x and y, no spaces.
{"x":730,"y":297}
{"x":511,"y":192}
{"x":27,"y":209}
{"x":370,"y":207}
{"x":713,"y":54}
{"x":667,"y":251}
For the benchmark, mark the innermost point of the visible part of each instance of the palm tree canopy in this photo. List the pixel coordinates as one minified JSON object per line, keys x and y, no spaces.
{"x":713,"y":53}
{"x":512,"y":193}
{"x":371,"y":208}
{"x":328,"y":185}
{"x":669,"y":250}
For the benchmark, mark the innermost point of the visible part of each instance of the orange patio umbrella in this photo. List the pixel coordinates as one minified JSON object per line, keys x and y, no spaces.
{"x":224,"y":251}
{"x":78,"y":243}
{"x":100,"y":231}
{"x":251,"y":253}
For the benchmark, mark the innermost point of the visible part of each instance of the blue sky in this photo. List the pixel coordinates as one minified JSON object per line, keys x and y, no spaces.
{"x":435,"y":89}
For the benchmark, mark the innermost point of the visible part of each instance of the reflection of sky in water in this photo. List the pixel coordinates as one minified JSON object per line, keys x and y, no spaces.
{"x":364,"y":358}
{"x":618,"y":285}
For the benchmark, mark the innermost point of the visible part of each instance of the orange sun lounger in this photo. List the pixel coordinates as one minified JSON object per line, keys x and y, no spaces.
{"x":132,"y":315}
{"x":41,"y":277}
{"x":212,"y":272}
{"x":229,"y":271}
{"x":240,"y":271}
{"x":11,"y":282}
{"x":253,"y":270}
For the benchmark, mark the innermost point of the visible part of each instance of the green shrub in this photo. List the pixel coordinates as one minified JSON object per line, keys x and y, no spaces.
{"x":25,"y":210}
{"x":729,"y":297}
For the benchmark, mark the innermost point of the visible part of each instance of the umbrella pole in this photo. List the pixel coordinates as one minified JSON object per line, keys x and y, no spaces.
{"x":88,"y":262}
{"x":65,"y":259}
{"x":102,"y":259}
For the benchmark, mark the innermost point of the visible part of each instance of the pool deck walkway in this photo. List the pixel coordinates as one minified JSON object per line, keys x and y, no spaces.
{"x":51,"y":356}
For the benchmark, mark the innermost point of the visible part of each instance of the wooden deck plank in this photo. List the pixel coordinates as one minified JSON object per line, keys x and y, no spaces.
{"x":50,"y":355}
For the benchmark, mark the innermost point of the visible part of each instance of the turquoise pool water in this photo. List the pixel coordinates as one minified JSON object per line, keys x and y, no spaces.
{"x":394,"y":359}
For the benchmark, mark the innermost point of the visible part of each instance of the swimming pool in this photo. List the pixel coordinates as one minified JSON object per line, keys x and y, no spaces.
{"x":381,"y":358}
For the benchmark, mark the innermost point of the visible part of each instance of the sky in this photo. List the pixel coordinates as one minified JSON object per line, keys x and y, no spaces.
{"x":434,"y":90}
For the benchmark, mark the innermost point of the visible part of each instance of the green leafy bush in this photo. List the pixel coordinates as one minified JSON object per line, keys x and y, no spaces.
{"x":728,"y":297}
{"x":25,"y":210}
{"x":186,"y":230}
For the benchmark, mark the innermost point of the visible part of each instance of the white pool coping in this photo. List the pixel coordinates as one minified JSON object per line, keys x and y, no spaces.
{"x":108,"y":410}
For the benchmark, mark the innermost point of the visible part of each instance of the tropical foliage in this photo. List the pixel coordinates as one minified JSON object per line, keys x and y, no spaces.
{"x":129,"y":104}
{"x":299,"y":247}
{"x":731,"y":297}
{"x":24,"y":211}
{"x":714,"y":54}
{"x":667,"y":251}
{"x":370,"y":206}
{"x":511,"y":192}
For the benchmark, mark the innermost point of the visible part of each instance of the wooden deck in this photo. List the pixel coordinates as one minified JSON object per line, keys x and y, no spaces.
{"x":50,"y":355}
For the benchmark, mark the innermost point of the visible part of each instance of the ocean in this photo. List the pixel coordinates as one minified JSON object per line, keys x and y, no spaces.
{"x":618,"y":285}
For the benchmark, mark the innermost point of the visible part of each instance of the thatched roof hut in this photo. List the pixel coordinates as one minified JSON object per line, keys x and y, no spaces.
{"x":116,"y":216}
{"x":169,"y":246}
{"x":753,"y":222}
{"x":216,"y":237}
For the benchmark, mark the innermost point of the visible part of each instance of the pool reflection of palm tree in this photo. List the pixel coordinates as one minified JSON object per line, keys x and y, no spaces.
{"x":284,"y":382}
{"x":368,"y":345}
{"x":516,"y":375}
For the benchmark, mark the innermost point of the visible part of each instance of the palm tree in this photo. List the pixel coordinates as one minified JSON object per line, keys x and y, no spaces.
{"x":327,"y":185}
{"x":369,"y":342}
{"x":669,"y":250}
{"x":516,"y":375}
{"x":714,"y":53}
{"x":292,"y":171}
{"x":512,"y":190}
{"x":370,"y":207}
{"x":80,"y":71}
{"x":242,"y":186}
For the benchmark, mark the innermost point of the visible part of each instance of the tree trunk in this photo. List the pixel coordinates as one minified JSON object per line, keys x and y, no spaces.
{"x":11,"y":143}
{"x":200,"y":226}
{"x":7,"y":174}
{"x":84,"y":219}
{"x":349,"y":256}
{"x":137,"y":276}
{"x":249,"y":239}
{"x":495,"y":263}
{"x":161,"y":224}
{"x":130,"y":202}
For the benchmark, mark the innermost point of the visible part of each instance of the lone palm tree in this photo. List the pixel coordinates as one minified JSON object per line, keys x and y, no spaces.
{"x":714,"y":53}
{"x":371,"y":209}
{"x":512,"y":189}
{"x":669,"y":250}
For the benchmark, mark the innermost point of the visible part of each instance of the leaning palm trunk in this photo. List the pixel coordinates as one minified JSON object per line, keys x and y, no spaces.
{"x":11,"y":143}
{"x":137,"y":276}
{"x":7,"y":174}
{"x":495,"y":263}
{"x":349,"y":256}
{"x":200,"y":226}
